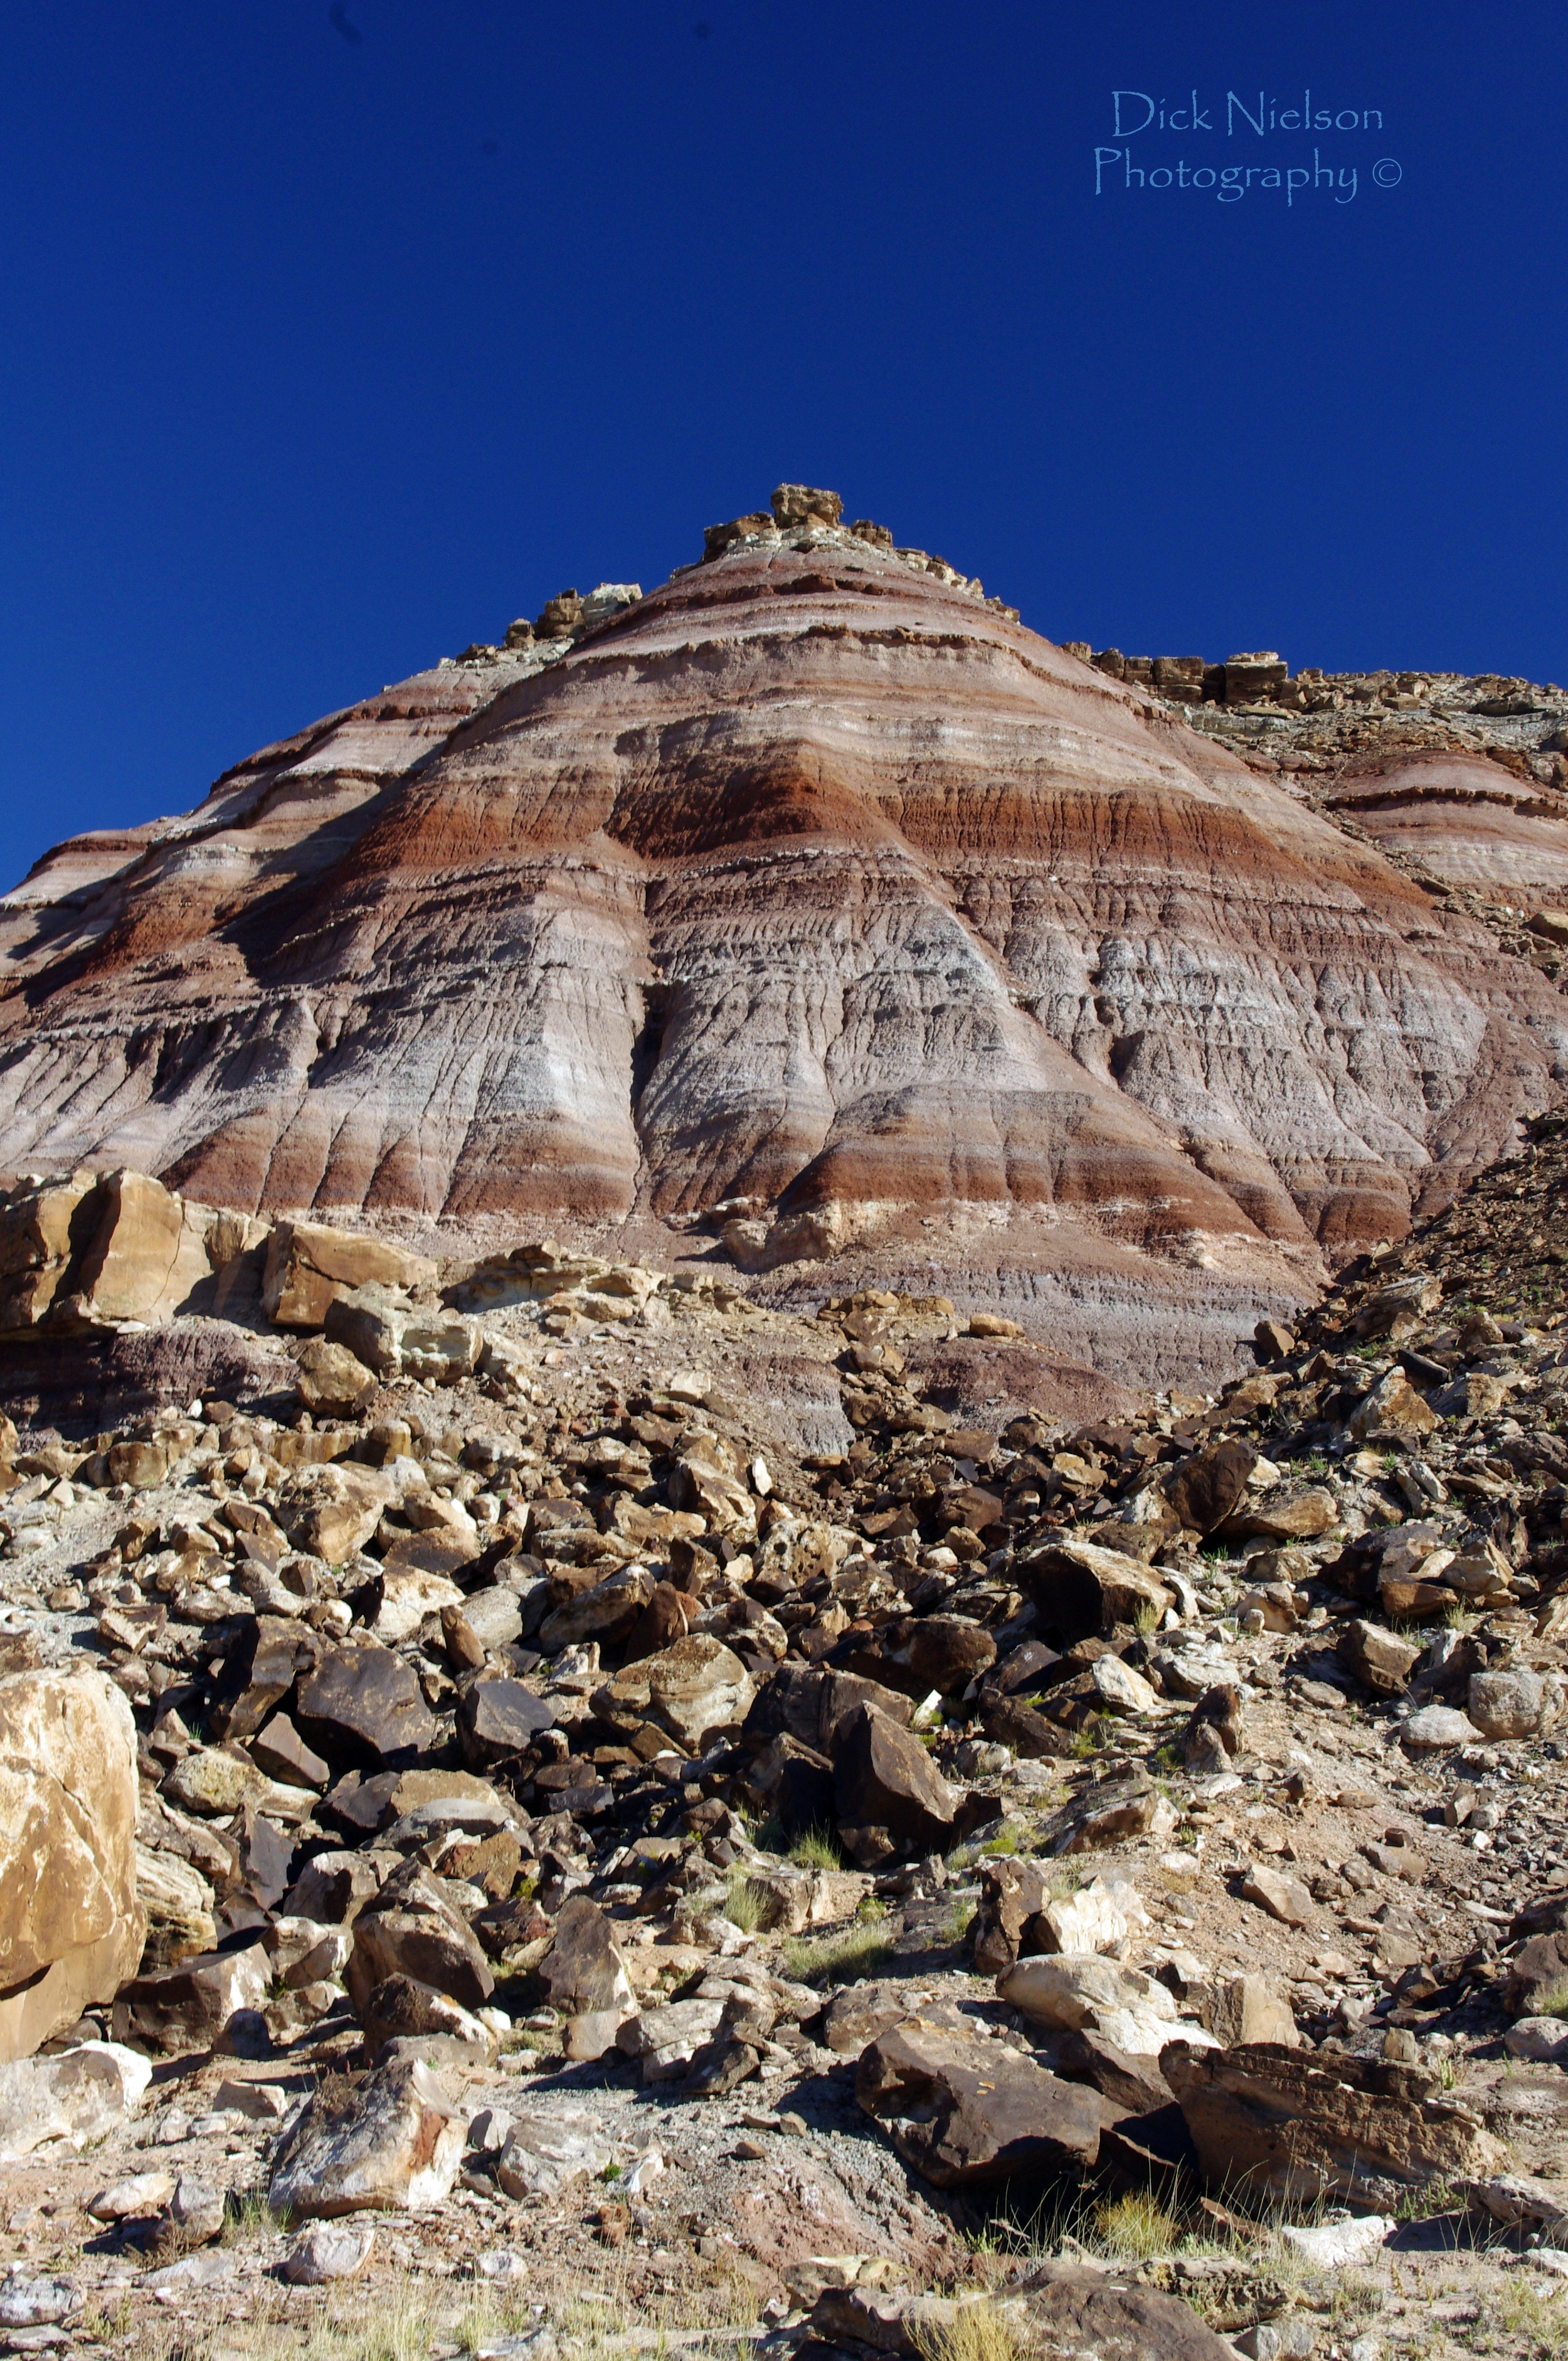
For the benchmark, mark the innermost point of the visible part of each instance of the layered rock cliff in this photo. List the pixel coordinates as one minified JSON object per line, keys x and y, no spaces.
{"x":813,"y":888}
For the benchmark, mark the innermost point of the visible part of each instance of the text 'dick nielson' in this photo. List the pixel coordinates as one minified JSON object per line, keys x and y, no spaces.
{"x":1249,"y":143}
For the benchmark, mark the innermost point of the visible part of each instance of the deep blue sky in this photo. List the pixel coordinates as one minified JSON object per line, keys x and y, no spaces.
{"x":323,"y":355}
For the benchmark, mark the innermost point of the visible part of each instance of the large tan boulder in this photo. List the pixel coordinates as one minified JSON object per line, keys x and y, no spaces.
{"x":148,"y":1255}
{"x":41,"y":1230}
{"x":98,"y":1250}
{"x":309,"y":1266}
{"x":72,"y":1927}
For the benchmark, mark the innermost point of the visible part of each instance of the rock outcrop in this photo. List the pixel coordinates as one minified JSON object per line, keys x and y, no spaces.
{"x":812,"y":893}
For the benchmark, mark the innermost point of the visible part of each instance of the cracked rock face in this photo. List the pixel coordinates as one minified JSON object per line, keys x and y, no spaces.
{"x":71,"y":1925}
{"x":812,"y":885}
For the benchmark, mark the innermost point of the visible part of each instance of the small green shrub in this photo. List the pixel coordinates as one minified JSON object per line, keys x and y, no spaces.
{"x":744,"y":1903}
{"x":817,"y":1848}
{"x":1136,"y":2225}
{"x":846,"y":1958}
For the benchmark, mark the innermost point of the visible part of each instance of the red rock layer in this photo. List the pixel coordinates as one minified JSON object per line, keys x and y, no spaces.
{"x":807,"y":881}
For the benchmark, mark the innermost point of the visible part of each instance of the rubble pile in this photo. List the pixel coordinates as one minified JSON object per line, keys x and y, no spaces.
{"x":515,"y":1800}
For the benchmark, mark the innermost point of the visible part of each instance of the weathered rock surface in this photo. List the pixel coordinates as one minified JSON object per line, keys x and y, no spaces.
{"x":1278,"y":2120}
{"x":72,"y":1923}
{"x":394,"y":2142}
{"x":77,"y":2097}
{"x":967,"y":2113}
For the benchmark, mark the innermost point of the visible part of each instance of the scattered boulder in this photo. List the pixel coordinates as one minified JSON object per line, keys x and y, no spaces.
{"x":189,"y":2006}
{"x":1206,"y":1489}
{"x":1513,"y":1702}
{"x":328,"y":2252}
{"x":1071,"y":1991}
{"x":498,"y":1719}
{"x":888,"y":1794}
{"x":1244,"y":2010}
{"x":1438,"y":1730}
{"x":586,"y":1977}
{"x":361,"y":1708}
{"x":1277,"y":2122}
{"x":966,"y":2111}
{"x":1379,"y":1659}
{"x":309,"y":1266}
{"x":690,"y":1691}
{"x":547,"y":2147}
{"x":392,"y":2142}
{"x":332,"y":1384}
{"x":1284,"y":1899}
{"x":78,"y":2096}
{"x":1079,"y":1589}
{"x":410,"y":1928}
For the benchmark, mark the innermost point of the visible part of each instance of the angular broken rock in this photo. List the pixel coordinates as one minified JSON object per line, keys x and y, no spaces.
{"x":197,"y":2210}
{"x":331,"y":1511}
{"x":362,"y":1707}
{"x":410,"y":1928}
{"x":887,"y":1791}
{"x":281,"y":1753}
{"x":1205,"y":1488}
{"x":215,"y":1781}
{"x":1379,"y":1659}
{"x":1099,"y":1917}
{"x":410,"y":1593}
{"x":861,"y":2013}
{"x":402,"y":2010}
{"x":494,"y":1617}
{"x":545,"y":2149}
{"x":585,"y":1973}
{"x":1135,"y":2085}
{"x":395,"y":2140}
{"x":1073,"y":2310}
{"x":77,"y":2097}
{"x":499,"y":1719}
{"x":1070,"y":1991}
{"x":1292,"y":1512}
{"x":965,"y":2111}
{"x":188,"y":2006}
{"x":1437,"y":1729}
{"x":607,"y":1610}
{"x":1285,"y":1898}
{"x":690,"y":1691}
{"x":328,"y":2252}
{"x":309,"y":1265}
{"x":396,"y":1338}
{"x":1277,"y":2121}
{"x":332,"y":1384}
{"x":918,"y":1653}
{"x":1013,"y":1893}
{"x":1513,"y":1702}
{"x":71,"y":1924}
{"x":1248,"y":2009}
{"x":1541,"y":2040}
{"x":1393,"y":1409}
{"x":667,"y":2039}
{"x":178,"y":1902}
{"x":1539,"y":1970}
{"x":1114,"y":1811}
{"x":1077,"y":1589}
{"x":1120,"y":1689}
{"x":42,"y":2302}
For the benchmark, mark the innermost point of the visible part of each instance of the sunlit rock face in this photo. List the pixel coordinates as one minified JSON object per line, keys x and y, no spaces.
{"x":812,"y":880}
